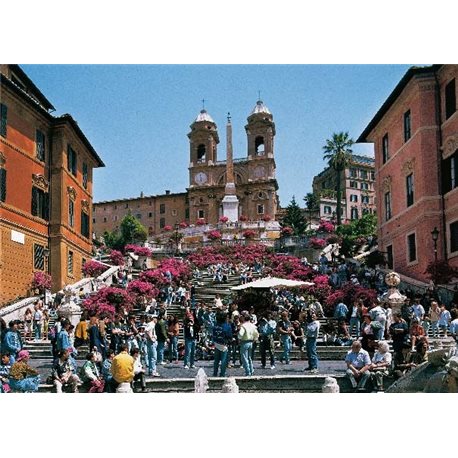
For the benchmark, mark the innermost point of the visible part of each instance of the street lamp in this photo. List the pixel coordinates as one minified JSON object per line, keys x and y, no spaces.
{"x":435,"y":236}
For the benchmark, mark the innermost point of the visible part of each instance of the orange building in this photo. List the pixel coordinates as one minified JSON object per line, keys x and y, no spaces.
{"x":46,"y":167}
{"x":415,"y":136}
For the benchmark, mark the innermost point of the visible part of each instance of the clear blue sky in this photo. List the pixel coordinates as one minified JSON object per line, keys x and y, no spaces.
{"x":137,"y":116}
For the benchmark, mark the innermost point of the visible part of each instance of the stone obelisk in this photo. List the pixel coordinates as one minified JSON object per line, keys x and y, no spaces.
{"x":230,"y":201}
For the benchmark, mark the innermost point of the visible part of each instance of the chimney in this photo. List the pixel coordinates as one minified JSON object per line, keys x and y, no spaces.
{"x":141,"y":194}
{"x":167,"y":192}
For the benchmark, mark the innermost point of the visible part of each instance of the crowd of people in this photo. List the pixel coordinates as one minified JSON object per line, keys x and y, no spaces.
{"x":124,"y":350}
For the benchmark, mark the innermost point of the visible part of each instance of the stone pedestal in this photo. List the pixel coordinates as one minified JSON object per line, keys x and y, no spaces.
{"x":69,"y":309}
{"x":393,"y":296}
{"x":231,"y":207}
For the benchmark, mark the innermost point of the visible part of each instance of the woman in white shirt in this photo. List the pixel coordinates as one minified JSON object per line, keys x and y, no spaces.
{"x":381,"y":363}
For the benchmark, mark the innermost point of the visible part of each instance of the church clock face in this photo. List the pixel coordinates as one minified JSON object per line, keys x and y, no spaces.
{"x":259,"y":171}
{"x":200,"y":178}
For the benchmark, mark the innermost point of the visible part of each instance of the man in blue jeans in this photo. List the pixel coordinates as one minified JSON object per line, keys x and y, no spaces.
{"x":151,"y":345}
{"x":311,"y":332}
{"x":161,"y":335}
{"x":247,"y":334}
{"x":190,"y":337}
{"x":285,"y":329}
{"x":222,"y":337}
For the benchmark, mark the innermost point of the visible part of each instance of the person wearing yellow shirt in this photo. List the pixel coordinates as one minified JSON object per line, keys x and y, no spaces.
{"x":81,"y":335}
{"x":122,"y":367}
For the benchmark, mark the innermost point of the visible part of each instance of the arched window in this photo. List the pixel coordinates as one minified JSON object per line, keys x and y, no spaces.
{"x":201,"y":151}
{"x":259,"y":145}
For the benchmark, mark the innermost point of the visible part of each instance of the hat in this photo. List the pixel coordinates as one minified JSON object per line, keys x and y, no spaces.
{"x":22,"y":355}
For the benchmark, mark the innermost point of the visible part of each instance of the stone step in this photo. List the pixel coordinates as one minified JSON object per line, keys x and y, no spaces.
{"x":255,"y":384}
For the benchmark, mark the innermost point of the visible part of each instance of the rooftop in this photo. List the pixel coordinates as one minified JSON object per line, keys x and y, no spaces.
{"x":413,"y":71}
{"x":126,"y":199}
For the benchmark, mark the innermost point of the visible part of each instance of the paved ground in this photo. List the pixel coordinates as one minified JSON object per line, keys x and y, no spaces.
{"x":176,"y":370}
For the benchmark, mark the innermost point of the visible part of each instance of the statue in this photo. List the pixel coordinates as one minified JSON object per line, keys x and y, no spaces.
{"x":438,"y":375}
{"x":330,"y":385}
{"x":69,"y":309}
{"x":230,"y":386}
{"x":201,"y":382}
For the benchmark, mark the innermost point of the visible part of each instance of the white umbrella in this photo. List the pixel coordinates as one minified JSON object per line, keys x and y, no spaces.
{"x":272,"y":282}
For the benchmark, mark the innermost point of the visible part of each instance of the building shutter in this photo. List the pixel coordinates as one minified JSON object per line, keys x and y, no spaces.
{"x":3,"y":119}
{"x":35,"y":198}
{"x":46,"y":206}
{"x":3,"y":185}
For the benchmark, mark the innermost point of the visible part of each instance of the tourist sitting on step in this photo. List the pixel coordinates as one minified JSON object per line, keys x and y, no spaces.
{"x":416,"y":332}
{"x":63,"y":375}
{"x":358,"y":362}
{"x":381,"y":365}
{"x":412,"y":359}
{"x":122,"y":369}
{"x":5,"y":368}
{"x":12,"y":341}
{"x":90,"y":375}
{"x":139,"y":370}
{"x":23,"y":378}
{"x":110,"y":385}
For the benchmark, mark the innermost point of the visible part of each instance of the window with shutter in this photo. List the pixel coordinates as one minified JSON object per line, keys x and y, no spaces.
{"x":412,"y":247}
{"x":84,"y":224}
{"x":40,"y":145}
{"x":35,"y":201}
{"x":3,"y":185}
{"x":85,"y":175}
{"x":450,"y":99}
{"x":3,"y":119}
{"x":71,"y":212}
{"x":38,"y":257}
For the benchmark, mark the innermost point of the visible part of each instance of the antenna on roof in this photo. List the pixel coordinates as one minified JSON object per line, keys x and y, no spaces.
{"x":259,"y":95}
{"x":203,"y":104}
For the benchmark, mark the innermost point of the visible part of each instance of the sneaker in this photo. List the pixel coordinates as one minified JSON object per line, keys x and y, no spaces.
{"x":186,"y":366}
{"x":193,"y":366}
{"x":156,"y":374}
{"x":272,"y":367}
{"x":162,"y":363}
{"x":307,"y":369}
{"x":314,"y":371}
{"x":263,"y":367}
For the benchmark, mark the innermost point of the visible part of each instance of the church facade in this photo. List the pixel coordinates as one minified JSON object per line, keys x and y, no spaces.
{"x":254,"y":178}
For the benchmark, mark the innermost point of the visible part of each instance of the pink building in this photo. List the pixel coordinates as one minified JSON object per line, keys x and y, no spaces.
{"x":415,"y":136}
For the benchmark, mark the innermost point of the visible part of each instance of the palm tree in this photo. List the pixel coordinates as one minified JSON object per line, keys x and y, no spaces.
{"x":338,"y":153}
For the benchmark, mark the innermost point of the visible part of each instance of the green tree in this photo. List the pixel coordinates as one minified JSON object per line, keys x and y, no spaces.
{"x":132,"y":231}
{"x":350,"y":233}
{"x":311,"y":201}
{"x":338,"y":153}
{"x":113,"y":240}
{"x":294,"y":218}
